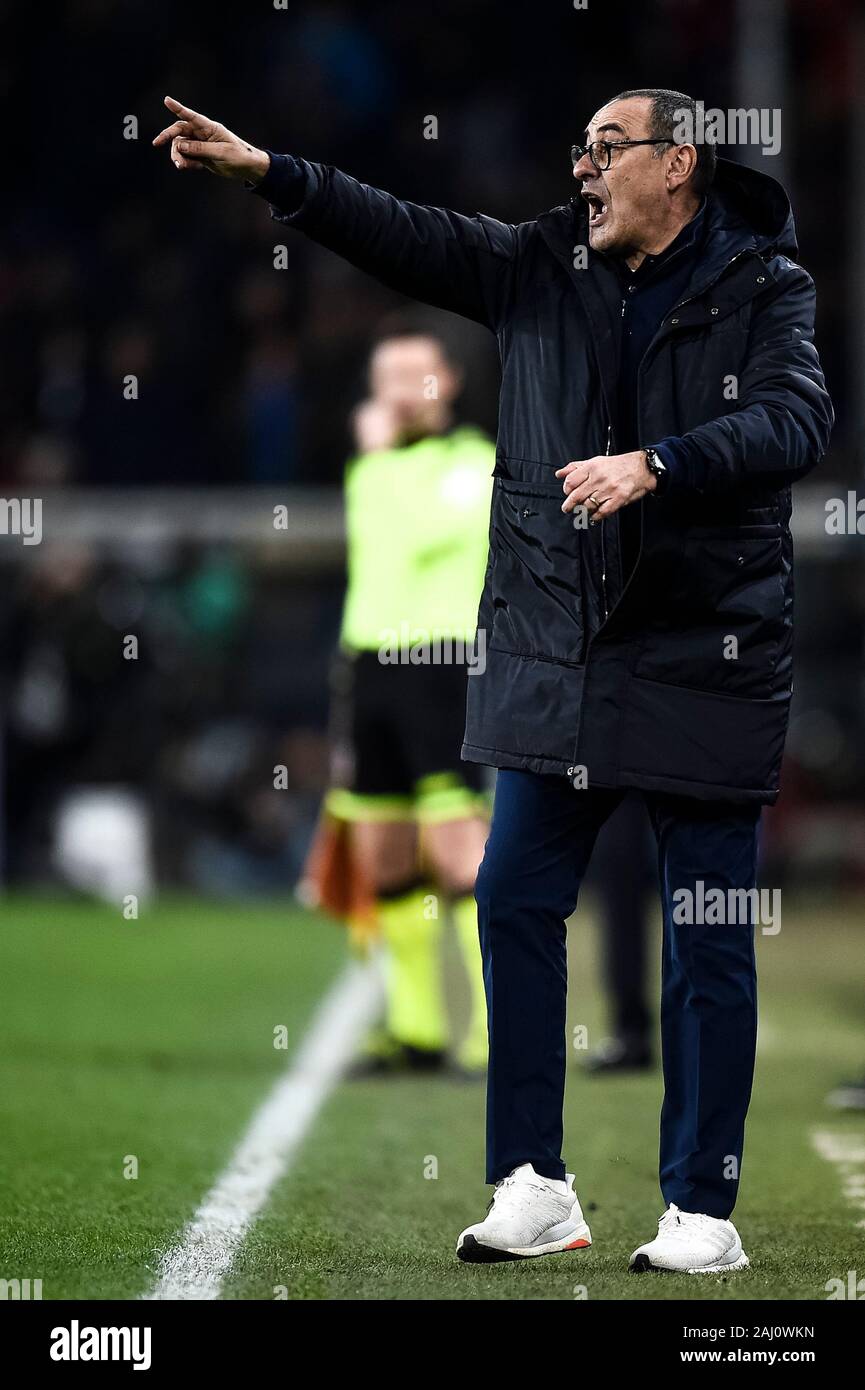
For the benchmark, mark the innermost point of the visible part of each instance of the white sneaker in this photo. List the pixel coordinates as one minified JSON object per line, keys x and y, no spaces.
{"x":528,"y":1215}
{"x":691,"y":1243}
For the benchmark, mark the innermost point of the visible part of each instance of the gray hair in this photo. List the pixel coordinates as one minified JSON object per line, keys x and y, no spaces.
{"x":665,"y":118}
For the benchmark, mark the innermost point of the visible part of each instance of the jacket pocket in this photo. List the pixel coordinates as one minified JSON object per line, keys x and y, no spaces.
{"x":722,"y":625}
{"x":535,"y":589}
{"x":738,"y":572}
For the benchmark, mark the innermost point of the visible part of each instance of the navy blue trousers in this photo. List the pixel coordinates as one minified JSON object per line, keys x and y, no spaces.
{"x":540,"y":843}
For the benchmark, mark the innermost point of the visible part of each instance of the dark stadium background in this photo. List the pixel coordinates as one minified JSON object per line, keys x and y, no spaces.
{"x":157,"y":511}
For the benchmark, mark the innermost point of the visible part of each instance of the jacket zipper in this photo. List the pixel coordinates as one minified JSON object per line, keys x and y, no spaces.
{"x":572,"y":771}
{"x":603,"y":539}
{"x":603,"y":551}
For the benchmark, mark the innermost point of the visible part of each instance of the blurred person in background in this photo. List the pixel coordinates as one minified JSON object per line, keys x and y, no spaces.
{"x":405,"y":819}
{"x":76,"y":714}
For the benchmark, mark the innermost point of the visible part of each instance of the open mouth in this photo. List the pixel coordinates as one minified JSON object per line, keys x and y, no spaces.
{"x":597,"y":209}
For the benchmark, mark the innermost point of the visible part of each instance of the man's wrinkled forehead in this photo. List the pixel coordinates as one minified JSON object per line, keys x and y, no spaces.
{"x":620,"y":120}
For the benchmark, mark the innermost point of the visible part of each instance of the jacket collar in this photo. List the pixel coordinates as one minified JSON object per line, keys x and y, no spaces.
{"x":745,"y":210}
{"x":747,"y":214}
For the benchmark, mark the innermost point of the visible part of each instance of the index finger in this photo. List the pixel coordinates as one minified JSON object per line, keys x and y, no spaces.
{"x":186,"y":112}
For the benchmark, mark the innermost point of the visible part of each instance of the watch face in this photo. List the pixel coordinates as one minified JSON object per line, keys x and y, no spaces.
{"x":657,"y":469}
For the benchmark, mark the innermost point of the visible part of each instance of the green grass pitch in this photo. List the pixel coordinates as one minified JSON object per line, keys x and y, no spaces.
{"x":153,"y":1040}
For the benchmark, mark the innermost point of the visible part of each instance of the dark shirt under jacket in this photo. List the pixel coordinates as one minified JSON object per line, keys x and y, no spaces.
{"x":648,"y":295}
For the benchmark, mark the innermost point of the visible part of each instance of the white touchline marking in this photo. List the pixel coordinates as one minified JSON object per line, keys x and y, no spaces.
{"x":767,"y":1036}
{"x":847,"y":1152}
{"x":195,"y":1267}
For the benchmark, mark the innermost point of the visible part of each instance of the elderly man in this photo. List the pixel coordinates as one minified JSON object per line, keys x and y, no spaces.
{"x":658,"y":369}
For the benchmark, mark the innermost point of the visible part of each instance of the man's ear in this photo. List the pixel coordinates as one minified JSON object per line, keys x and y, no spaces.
{"x":682,"y":163}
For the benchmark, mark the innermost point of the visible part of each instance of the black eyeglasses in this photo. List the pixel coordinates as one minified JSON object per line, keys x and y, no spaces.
{"x":600,"y":152}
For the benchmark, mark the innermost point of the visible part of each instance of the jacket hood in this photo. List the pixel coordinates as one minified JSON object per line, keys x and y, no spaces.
{"x":747,"y":196}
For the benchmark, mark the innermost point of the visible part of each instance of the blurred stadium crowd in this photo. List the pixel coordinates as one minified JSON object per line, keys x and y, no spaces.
{"x":232,"y":662}
{"x":111,"y":266}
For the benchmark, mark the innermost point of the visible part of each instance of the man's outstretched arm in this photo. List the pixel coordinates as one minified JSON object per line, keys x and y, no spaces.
{"x":463,"y":264}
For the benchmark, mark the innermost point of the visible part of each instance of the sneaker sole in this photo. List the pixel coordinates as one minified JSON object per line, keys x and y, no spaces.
{"x":641,"y":1264}
{"x":472,"y":1251}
